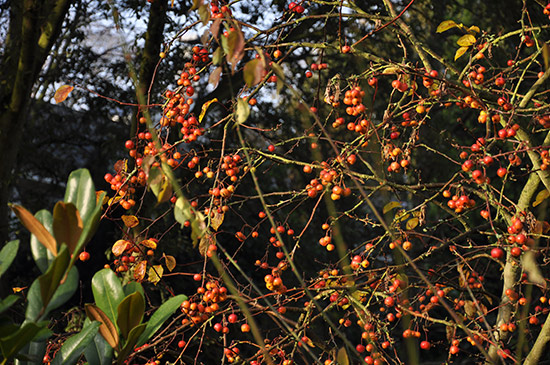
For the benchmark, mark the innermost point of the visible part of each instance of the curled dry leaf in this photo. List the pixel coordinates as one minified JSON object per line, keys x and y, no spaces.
{"x":62,"y":93}
{"x":130,"y":221}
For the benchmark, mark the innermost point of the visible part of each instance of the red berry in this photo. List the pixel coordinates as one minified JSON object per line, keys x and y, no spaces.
{"x":271,"y":148}
{"x":129,"y":144}
{"x":232,"y":318}
{"x":84,"y":256}
{"x":425,"y":345}
{"x":497,"y":253}
{"x":502,"y":172}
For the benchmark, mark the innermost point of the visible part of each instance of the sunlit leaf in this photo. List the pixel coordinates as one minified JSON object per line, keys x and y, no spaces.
{"x":390,"y":206}
{"x":205,"y":241}
{"x":107,"y":329}
{"x":466,"y":40}
{"x":170,"y":262}
{"x":155,"y":273}
{"x":62,"y":93}
{"x":243,"y":111}
{"x":541,"y":196}
{"x":474,"y":29}
{"x":412,"y":223}
{"x":140,"y":270}
{"x":119,"y":247}
{"x":165,"y":192}
{"x":205,"y":107}
{"x":152,"y":244}
{"x":35,"y":227}
{"x":217,"y":220}
{"x":460,"y":52}
{"x":130,"y":221}
{"x":446,"y":25}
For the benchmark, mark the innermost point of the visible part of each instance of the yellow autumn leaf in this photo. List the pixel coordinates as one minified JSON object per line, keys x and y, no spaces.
{"x":460,"y":52}
{"x":155,"y":274}
{"x":170,"y":262}
{"x":152,"y":244}
{"x":390,"y":206}
{"x":140,"y":270}
{"x":130,"y":221}
{"x":62,"y":93}
{"x":474,"y":29}
{"x":412,"y":223}
{"x":541,"y":196}
{"x":119,"y":247}
{"x":18,"y":289}
{"x":205,"y":108}
{"x":446,"y":25}
{"x":466,"y":40}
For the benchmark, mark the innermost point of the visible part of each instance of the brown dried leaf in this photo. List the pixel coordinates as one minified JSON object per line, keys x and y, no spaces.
{"x":140,"y":270}
{"x":119,"y":247}
{"x":217,"y":220}
{"x":152,"y":244}
{"x":170,"y":262}
{"x":130,"y":221}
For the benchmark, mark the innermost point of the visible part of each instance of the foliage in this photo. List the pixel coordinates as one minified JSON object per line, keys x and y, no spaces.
{"x":317,"y":197}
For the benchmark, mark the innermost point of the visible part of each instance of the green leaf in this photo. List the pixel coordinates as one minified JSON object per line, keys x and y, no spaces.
{"x":160,"y":316}
{"x":8,"y":253}
{"x":217,"y":56}
{"x":342,"y":357}
{"x":130,"y":344}
{"x":108,"y":292}
{"x":133,"y":287}
{"x":253,"y":72}
{"x":130,"y":313}
{"x":98,"y":352}
{"x":541,"y":196}
{"x":242,"y":112}
{"x":460,"y":52}
{"x":75,"y":345}
{"x":35,"y":227}
{"x":7,"y":302}
{"x":182,"y":211}
{"x":10,"y":345}
{"x":51,"y":279}
{"x":42,"y":256}
{"x":446,"y":25}
{"x":67,"y":225}
{"x":107,"y":329}
{"x":81,"y":192}
{"x":32,"y":354}
{"x":466,"y":40}
{"x":63,"y":293}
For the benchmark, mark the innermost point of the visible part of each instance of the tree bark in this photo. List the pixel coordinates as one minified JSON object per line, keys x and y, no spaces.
{"x":34,"y":28}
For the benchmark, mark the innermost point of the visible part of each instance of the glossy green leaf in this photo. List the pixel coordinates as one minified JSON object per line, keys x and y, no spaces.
{"x":7,"y":302}
{"x":75,"y":345}
{"x":90,"y":226}
{"x":160,"y":316}
{"x":8,"y":253}
{"x":81,"y":192}
{"x":108,"y":292}
{"x":51,"y":279}
{"x":63,"y":293}
{"x":130,"y":313}
{"x":107,"y":328}
{"x":10,"y":345}
{"x":32,"y":354}
{"x":128,"y":348}
{"x":133,"y":287}
{"x":35,"y":227}
{"x":98,"y":352}
{"x":42,"y":256}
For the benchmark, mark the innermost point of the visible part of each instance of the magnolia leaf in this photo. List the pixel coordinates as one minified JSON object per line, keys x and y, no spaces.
{"x":170,"y":262}
{"x":140,"y":270}
{"x":217,"y":220}
{"x":412,"y":223}
{"x":130,"y":221}
{"x":155,"y":273}
{"x":243,"y":111}
{"x":206,"y":105}
{"x":36,"y":228}
{"x":466,"y":40}
{"x":390,"y":206}
{"x":107,"y":329}
{"x":541,"y":196}
{"x":62,"y":93}
{"x":67,"y":224}
{"x":460,"y":52}
{"x":119,"y":247}
{"x":130,"y":313}
{"x":446,"y":25}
